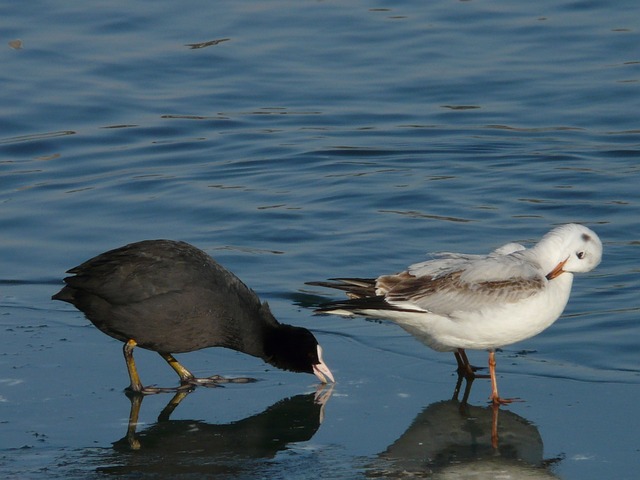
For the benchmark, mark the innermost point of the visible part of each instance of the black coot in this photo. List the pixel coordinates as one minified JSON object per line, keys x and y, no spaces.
{"x":171,"y":297}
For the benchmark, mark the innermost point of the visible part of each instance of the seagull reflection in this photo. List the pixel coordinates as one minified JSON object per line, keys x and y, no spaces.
{"x":450,"y":439}
{"x":179,"y":447}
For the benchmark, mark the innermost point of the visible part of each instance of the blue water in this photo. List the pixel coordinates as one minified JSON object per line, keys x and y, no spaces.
{"x":297,"y":141}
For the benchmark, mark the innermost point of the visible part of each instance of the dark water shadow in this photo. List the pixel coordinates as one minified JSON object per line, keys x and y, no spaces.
{"x":194,"y":448}
{"x":452,"y":439}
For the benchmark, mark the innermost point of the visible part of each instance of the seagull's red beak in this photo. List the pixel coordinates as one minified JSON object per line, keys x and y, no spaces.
{"x":557,"y":271}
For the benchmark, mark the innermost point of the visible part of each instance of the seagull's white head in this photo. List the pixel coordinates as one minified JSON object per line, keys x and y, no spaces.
{"x":570,"y":248}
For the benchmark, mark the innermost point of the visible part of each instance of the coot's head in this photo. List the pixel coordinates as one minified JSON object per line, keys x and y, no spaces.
{"x":296,"y":349}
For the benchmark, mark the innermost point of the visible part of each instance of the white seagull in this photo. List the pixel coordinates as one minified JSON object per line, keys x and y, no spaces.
{"x":480,"y":302}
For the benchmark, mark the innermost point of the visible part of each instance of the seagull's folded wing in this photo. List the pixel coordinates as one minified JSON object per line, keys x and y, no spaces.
{"x":465,"y":284}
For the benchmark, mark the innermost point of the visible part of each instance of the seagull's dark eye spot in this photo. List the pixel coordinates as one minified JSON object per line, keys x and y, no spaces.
{"x":580,"y":255}
{"x":585,"y":237}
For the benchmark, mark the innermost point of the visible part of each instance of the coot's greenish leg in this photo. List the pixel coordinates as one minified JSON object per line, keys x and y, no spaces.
{"x":135,"y":385}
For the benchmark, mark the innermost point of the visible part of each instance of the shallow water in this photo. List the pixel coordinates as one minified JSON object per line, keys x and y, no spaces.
{"x":297,"y":141}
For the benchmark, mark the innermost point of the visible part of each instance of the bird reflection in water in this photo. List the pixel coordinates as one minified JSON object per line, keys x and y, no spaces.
{"x":463,"y":405}
{"x":194,"y":446}
{"x":453,"y":439}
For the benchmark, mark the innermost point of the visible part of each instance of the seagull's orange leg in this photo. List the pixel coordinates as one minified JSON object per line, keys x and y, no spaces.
{"x":465,"y":369}
{"x":495,"y":398}
{"x":468,"y":372}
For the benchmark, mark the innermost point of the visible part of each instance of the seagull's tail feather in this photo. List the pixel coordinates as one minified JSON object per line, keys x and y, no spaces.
{"x":366,"y":306}
{"x":354,"y":287}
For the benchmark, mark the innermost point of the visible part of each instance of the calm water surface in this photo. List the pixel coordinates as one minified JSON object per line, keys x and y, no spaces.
{"x":297,"y":141}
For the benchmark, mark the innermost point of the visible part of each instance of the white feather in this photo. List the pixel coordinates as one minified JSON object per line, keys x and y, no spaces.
{"x":482,"y":301}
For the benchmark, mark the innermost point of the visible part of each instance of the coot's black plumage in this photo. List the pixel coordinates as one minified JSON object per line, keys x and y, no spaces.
{"x":170,"y":297}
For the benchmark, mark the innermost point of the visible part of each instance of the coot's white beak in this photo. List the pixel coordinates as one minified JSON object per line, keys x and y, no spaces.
{"x":321,"y":370}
